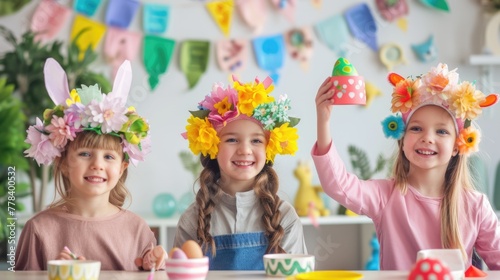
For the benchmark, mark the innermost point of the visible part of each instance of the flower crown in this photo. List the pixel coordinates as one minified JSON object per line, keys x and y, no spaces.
{"x":87,"y":109}
{"x":250,"y":100}
{"x":438,"y":87}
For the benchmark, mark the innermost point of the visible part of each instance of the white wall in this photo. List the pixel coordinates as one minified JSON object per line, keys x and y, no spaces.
{"x":457,"y":34}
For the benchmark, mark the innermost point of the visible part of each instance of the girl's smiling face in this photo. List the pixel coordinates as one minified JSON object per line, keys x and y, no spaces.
{"x":429,"y":140}
{"x":242,"y":154}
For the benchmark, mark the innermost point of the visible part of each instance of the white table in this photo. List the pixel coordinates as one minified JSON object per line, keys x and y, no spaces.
{"x":214,"y":275}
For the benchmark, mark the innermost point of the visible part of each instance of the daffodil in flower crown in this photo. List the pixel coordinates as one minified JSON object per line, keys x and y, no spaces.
{"x":87,"y":109}
{"x":243,"y":100}
{"x":441,"y":87}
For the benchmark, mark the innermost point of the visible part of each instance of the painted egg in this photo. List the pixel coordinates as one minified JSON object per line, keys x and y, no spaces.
{"x":192,"y":249}
{"x":177,"y":253}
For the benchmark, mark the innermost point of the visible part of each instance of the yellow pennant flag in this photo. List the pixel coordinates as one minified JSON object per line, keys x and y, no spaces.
{"x":90,"y":33}
{"x":222,"y":13}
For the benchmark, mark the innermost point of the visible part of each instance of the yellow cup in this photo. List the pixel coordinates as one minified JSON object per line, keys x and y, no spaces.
{"x":73,"y":269}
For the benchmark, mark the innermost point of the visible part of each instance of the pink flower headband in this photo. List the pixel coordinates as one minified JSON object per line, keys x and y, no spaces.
{"x":438,"y":87}
{"x":244,"y":101}
{"x":87,"y":109}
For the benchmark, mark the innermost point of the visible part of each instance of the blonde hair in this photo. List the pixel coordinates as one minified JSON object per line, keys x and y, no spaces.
{"x":89,"y":139}
{"x":457,"y":182}
{"x":266,"y":186}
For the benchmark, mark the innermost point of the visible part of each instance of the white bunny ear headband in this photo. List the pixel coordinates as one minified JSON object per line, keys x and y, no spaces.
{"x":87,"y":109}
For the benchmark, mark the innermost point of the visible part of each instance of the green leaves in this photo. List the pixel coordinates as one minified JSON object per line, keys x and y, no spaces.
{"x":361,"y":164}
{"x":191,"y":163}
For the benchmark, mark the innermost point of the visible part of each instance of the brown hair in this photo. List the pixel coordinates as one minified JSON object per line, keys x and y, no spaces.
{"x":457,"y":182}
{"x":266,"y":186}
{"x":89,"y":139}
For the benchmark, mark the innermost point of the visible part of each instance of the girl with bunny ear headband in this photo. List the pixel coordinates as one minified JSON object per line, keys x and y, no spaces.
{"x":90,"y":137}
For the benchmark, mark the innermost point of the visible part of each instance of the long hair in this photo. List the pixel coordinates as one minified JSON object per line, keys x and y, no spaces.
{"x":88,"y":139}
{"x":457,"y":182}
{"x":266,"y":186}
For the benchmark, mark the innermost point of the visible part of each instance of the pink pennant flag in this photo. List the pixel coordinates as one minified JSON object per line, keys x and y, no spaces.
{"x":48,"y":19}
{"x":299,"y":43}
{"x":121,"y":45}
{"x":286,"y":8}
{"x":232,"y":55}
{"x":253,"y":13}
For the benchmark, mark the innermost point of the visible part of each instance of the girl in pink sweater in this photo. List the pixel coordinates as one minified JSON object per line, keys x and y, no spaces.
{"x":430,"y":202}
{"x":91,"y":138}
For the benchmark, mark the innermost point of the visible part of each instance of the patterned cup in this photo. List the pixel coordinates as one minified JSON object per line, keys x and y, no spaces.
{"x":73,"y":269}
{"x":187,"y":269}
{"x":288,"y":264}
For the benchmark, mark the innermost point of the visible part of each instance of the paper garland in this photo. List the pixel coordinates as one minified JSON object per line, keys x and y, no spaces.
{"x":89,"y":38}
{"x":222,"y":13}
{"x":362,"y":25}
{"x":86,"y":7}
{"x":157,"y":55}
{"x":48,"y":19}
{"x":269,"y":52}
{"x":120,"y":45}
{"x":232,"y":55}
{"x":155,"y":18}
{"x":194,"y":60}
{"x":121,"y":12}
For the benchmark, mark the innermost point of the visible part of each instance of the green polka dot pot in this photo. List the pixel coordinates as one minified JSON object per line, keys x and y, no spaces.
{"x":73,"y":270}
{"x":349,"y":87}
{"x":288,"y":264}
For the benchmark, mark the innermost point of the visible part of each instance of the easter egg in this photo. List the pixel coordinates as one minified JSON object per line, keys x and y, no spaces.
{"x":192,"y":249}
{"x":430,"y":269}
{"x":177,"y":253}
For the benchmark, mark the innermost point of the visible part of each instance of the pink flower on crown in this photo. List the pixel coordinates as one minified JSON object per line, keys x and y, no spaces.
{"x":109,"y":114}
{"x":42,"y":149}
{"x":135,"y":153}
{"x":60,"y":130}
{"x":76,"y":113}
{"x":438,"y":84}
{"x":221,"y":103}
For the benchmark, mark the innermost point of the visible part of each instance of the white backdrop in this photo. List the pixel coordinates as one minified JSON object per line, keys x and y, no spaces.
{"x":457,"y":34}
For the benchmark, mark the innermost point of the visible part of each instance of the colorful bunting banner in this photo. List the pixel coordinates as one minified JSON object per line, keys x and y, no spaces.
{"x":270,"y":54}
{"x":48,"y":19}
{"x":157,"y":54}
{"x":194,"y":60}
{"x":155,"y":18}
{"x":253,"y":13}
{"x":121,"y":45}
{"x":334,"y":33}
{"x":222,"y":13}
{"x":299,"y":43}
{"x":362,"y":25}
{"x":232,"y":54}
{"x":86,"y":7}
{"x":121,"y":12}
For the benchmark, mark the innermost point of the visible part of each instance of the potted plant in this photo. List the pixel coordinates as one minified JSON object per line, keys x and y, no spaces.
{"x":23,"y":68}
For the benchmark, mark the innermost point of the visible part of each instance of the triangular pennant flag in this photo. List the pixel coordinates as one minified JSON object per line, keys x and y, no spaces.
{"x":362,"y":25}
{"x":157,"y":55}
{"x":86,"y":7}
{"x":91,"y":37}
{"x":232,"y":54}
{"x":286,"y":8}
{"x":155,"y":18}
{"x":121,"y":45}
{"x":299,"y":43}
{"x":121,"y":12}
{"x":334,"y":33}
{"x":391,"y":10}
{"x":222,"y":13}
{"x":194,"y":60}
{"x":48,"y":19}
{"x":270,"y":53}
{"x":253,"y":13}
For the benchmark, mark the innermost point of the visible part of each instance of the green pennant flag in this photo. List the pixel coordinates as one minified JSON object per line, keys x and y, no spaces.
{"x":194,"y":60}
{"x":157,"y":54}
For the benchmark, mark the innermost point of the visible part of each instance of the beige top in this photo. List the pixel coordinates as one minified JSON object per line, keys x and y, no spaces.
{"x":115,"y":240}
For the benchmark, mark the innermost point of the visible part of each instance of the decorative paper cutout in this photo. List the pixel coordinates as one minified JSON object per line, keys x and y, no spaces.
{"x":392,"y":9}
{"x":426,"y":51}
{"x":334,"y":33}
{"x":299,"y":43}
{"x":286,"y":8}
{"x":436,"y":4}
{"x":86,"y":7}
{"x":362,"y":25}
{"x":48,"y":19}
{"x":372,"y":91}
{"x":157,"y":55}
{"x":91,"y":37}
{"x":194,"y":60}
{"x":155,"y":18}
{"x":391,"y":54}
{"x":269,"y":52}
{"x":222,"y":13}
{"x":253,"y":13}
{"x":121,"y":45}
{"x":232,"y":55}
{"x":121,"y":12}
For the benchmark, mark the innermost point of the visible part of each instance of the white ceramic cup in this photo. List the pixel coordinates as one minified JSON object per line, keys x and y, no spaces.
{"x":452,"y":258}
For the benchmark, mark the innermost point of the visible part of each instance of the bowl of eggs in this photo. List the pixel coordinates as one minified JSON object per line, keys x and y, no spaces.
{"x":187,"y":262}
{"x":288,"y":264}
{"x":73,"y":269}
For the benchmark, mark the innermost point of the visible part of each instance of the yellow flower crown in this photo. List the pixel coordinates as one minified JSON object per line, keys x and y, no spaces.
{"x":440,"y":87}
{"x":224,"y":105}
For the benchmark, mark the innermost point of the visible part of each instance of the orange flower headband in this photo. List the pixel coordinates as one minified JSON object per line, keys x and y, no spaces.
{"x":438,"y":87}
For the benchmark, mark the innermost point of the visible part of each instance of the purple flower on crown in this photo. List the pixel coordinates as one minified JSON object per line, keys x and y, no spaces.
{"x":61,"y":131}
{"x":221,"y":103}
{"x":42,"y":149}
{"x":109,"y":113}
{"x":135,"y":153}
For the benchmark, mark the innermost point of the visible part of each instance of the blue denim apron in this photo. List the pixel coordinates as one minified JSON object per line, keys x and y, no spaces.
{"x":239,"y":251}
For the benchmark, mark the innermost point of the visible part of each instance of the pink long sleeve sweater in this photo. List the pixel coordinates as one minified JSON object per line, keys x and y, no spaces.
{"x":408,"y":223}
